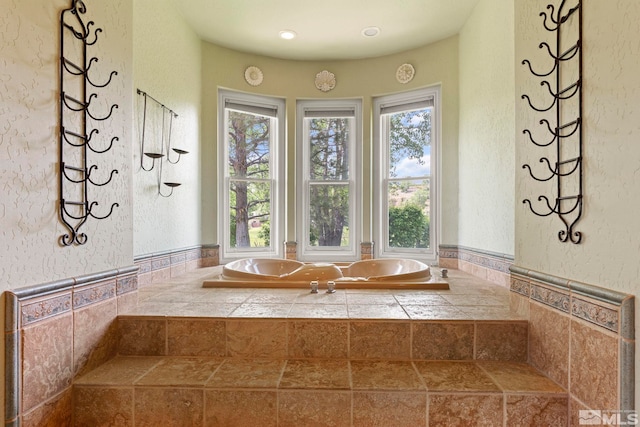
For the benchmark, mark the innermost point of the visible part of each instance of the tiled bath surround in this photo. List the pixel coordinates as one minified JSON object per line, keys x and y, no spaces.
{"x":581,"y":336}
{"x":321,"y":392}
{"x":156,"y":267}
{"x":55,"y":332}
{"x":485,"y":265}
{"x":59,"y":330}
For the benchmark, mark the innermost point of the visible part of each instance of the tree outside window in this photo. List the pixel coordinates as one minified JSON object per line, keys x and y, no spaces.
{"x":252,"y":184}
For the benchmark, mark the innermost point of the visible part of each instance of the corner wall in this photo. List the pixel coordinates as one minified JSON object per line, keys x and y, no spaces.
{"x":166,"y":67}
{"x":607,"y":255}
{"x":487,"y":120}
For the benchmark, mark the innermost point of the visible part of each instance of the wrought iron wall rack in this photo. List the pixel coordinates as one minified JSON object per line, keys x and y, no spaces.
{"x":159,"y":155}
{"x":565,"y":122}
{"x":77,"y":142}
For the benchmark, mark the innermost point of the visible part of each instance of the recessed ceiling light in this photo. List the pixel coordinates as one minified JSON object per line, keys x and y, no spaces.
{"x":287,"y":34}
{"x":371,"y":31}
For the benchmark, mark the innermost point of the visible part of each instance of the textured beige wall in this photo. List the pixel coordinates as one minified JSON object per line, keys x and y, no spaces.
{"x":167,"y":67}
{"x":608,"y":254}
{"x":434,"y":64}
{"x":29,"y":108}
{"x":29,"y":144}
{"x":487,"y":120}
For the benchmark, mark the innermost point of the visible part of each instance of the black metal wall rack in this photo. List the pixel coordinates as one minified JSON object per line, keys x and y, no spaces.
{"x":159,"y":155}
{"x":564,"y":125}
{"x":77,"y":121}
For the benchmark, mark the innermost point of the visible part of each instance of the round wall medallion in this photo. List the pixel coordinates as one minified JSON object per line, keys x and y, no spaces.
{"x":405,"y":73}
{"x":325,"y":81}
{"x":253,"y":75}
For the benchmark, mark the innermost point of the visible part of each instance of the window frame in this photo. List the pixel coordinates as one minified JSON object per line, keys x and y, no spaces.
{"x":251,"y":103}
{"x":307,"y":252}
{"x":380,"y":174}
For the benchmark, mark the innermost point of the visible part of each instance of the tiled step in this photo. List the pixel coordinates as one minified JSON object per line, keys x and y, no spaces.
{"x":324,"y":338}
{"x":212,"y":391}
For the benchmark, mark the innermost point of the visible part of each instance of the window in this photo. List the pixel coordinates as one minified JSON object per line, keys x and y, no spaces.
{"x":406,"y":145}
{"x":328,"y":179}
{"x":251,"y":179}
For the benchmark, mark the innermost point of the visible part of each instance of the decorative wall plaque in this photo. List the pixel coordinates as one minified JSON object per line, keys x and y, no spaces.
{"x":405,"y":73}
{"x":325,"y":81}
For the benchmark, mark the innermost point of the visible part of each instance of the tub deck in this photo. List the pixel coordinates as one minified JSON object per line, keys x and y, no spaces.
{"x":219,"y":281}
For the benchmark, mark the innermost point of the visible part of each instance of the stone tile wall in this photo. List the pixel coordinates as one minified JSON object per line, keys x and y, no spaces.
{"x":55,"y":332}
{"x":581,"y":336}
{"x":157,"y":267}
{"x":490,"y":266}
{"x":322,"y":338}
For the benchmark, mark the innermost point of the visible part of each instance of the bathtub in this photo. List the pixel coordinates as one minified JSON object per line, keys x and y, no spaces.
{"x":366,"y":274}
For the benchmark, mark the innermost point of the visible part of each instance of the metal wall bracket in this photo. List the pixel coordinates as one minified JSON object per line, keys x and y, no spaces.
{"x":563,"y":82}
{"x":165,"y":153}
{"x":77,"y":116}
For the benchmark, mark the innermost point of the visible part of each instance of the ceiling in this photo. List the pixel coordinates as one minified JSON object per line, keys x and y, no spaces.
{"x":326,"y":29}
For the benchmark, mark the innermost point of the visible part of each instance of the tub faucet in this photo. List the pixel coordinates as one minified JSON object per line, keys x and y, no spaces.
{"x":331,"y":287}
{"x":314,"y":286}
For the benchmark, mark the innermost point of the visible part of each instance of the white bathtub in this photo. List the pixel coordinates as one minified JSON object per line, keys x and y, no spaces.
{"x":370,"y":274}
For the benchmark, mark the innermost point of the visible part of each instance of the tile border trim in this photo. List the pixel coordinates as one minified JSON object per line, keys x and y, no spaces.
{"x":591,"y":291}
{"x":491,"y":260}
{"x":206,"y":255}
{"x":610,"y":310}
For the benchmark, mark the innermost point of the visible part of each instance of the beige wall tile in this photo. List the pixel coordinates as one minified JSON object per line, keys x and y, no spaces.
{"x":549,"y":342}
{"x":448,"y":263}
{"x":448,"y":410}
{"x":262,"y":339}
{"x":498,"y":277}
{"x":314,"y":408}
{"x":156,"y":407}
{"x":389,"y":409}
{"x":144,"y":279}
{"x":161,"y":275}
{"x":47,"y":364}
{"x":478,"y":271}
{"x":502,"y":341}
{"x":519,"y":304}
{"x":178,"y":269}
{"x":240,"y":408}
{"x":96,"y":406}
{"x":380,"y":340}
{"x":536,"y":410}
{"x":196,"y":337}
{"x":56,"y":412}
{"x":142,"y":336}
{"x":442,"y":340}
{"x":315,"y":339}
{"x":127,"y":303}
{"x":593,"y":366}
{"x":95,"y":335}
